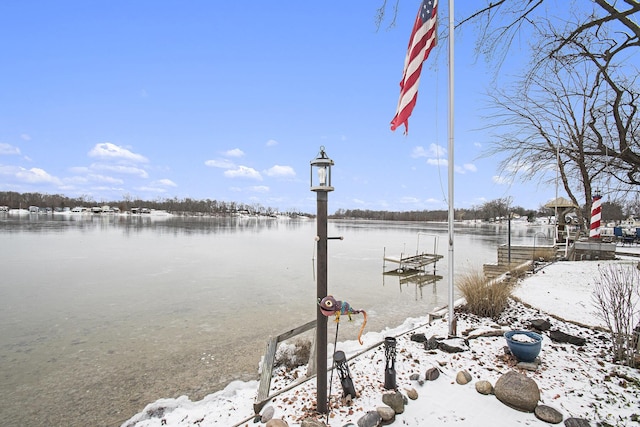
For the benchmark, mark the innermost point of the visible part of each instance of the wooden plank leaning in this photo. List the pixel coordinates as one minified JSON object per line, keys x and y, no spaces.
{"x":264,"y":388}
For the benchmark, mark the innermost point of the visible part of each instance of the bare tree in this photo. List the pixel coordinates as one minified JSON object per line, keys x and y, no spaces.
{"x":575,"y":109}
{"x":591,"y":121}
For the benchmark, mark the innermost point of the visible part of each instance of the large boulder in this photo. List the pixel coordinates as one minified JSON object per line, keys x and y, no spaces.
{"x":517,"y":391}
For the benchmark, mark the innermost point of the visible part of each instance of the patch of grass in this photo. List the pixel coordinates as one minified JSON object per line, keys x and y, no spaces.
{"x":483,"y":297}
{"x":544,"y":254}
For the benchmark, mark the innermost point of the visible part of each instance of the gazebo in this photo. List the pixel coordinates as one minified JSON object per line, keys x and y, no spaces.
{"x":562,"y":208}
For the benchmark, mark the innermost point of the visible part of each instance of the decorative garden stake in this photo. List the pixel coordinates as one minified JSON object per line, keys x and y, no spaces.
{"x":329,"y":306}
{"x":340,"y":362}
{"x":390,"y":367}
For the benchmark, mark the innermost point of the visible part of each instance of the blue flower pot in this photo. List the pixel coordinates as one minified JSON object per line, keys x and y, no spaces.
{"x":524,"y":351}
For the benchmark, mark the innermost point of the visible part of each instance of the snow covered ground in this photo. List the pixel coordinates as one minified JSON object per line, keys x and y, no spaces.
{"x":578,"y":381}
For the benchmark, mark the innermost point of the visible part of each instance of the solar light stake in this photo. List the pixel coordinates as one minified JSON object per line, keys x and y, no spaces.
{"x":340,"y":363}
{"x":390,"y":367}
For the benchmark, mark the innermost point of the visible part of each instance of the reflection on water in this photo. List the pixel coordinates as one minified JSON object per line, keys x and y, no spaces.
{"x":100,"y":315}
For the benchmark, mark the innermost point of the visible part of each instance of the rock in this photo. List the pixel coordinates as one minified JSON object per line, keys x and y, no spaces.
{"x":484,"y":387}
{"x":576,"y":422}
{"x":541,"y":324}
{"x":561,"y":337}
{"x":494,"y":333}
{"x":414,"y":377}
{"x":529,"y":366}
{"x":418,"y":338}
{"x":412,"y":393}
{"x":548,"y":414}
{"x":432,"y":374}
{"x":386,"y":413}
{"x":395,"y":401}
{"x":453,"y":346}
{"x":517,"y":391}
{"x":310,"y":422}
{"x":431,"y":344}
{"x":276,"y":423}
{"x":463,"y":377}
{"x":267,"y":414}
{"x":370,"y":419}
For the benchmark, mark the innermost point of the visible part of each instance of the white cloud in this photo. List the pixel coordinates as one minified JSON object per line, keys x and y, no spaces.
{"x":278,"y":170}
{"x":165,"y":182}
{"x":36,"y":175}
{"x":434,"y":150}
{"x":438,"y":162}
{"x":25,"y":137}
{"x":8,"y":150}
{"x":432,"y":201}
{"x":259,"y":189}
{"x":150,"y":189}
{"x":470,"y":167}
{"x":272,"y":143}
{"x":222,"y":164}
{"x":243,"y":172}
{"x":104,"y":178}
{"x":408,"y":199}
{"x":418,"y":152}
{"x":127,"y":170}
{"x":467,"y":167}
{"x":107,"y":150}
{"x":236,"y":152}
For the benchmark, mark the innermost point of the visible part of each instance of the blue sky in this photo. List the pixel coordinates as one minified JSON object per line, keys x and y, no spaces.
{"x":231,"y":100}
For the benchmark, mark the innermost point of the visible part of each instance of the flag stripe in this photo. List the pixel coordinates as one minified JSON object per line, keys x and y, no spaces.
{"x":423,"y":39}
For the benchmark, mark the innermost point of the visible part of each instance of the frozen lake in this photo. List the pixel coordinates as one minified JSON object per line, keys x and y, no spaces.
{"x":101,"y":315}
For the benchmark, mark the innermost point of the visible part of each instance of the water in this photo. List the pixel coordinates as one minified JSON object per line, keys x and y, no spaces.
{"x":101,"y":315}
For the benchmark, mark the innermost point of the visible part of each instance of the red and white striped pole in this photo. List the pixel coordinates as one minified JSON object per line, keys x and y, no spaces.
{"x":596,"y":213}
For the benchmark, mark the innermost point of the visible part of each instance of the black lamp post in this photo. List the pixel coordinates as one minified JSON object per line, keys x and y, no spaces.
{"x":390,"y":366}
{"x":321,"y":184}
{"x":340,"y":362}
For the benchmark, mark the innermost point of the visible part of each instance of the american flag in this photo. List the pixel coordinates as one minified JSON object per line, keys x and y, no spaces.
{"x":423,"y":39}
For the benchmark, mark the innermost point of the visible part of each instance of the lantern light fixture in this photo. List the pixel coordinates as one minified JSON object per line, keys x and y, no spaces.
{"x":321,"y":177}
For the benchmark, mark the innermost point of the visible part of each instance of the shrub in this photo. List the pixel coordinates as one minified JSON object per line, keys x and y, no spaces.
{"x":544,"y":254}
{"x":615,"y":296}
{"x":484,"y":298}
{"x":293,"y":355}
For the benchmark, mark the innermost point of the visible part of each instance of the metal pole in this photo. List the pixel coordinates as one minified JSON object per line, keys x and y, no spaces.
{"x":321,"y":329}
{"x":450,"y":158}
{"x":509,"y":241}
{"x":555,"y":213}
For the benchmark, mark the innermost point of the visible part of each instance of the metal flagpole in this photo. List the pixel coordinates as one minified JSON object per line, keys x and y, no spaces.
{"x":555,"y":213}
{"x":452,"y":322}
